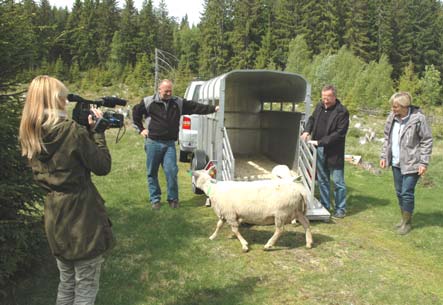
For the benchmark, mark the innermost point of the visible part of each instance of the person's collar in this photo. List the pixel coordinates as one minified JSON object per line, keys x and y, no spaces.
{"x":330,"y":107}
{"x":404,"y":119}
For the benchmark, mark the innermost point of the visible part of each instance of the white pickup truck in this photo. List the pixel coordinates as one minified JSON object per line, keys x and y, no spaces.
{"x":189,"y":125}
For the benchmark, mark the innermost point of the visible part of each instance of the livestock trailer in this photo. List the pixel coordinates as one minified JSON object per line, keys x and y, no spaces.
{"x":257,"y":127}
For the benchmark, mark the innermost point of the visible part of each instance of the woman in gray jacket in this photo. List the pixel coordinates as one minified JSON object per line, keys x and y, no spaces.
{"x":407,"y":148}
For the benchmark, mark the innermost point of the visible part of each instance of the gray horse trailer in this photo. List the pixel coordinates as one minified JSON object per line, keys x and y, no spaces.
{"x":257,"y":127}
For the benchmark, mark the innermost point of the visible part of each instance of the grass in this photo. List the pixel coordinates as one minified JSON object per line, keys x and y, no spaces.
{"x":165,"y":256}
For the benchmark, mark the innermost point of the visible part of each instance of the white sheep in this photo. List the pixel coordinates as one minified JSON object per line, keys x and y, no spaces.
{"x":261,"y":202}
{"x":281,"y":172}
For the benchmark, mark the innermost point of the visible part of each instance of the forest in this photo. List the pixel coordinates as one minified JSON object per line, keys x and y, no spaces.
{"x":368,"y":49}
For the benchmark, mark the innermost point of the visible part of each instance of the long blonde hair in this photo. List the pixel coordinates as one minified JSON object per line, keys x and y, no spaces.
{"x":45,"y":98}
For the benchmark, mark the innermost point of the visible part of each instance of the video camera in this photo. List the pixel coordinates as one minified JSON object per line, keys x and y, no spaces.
{"x":110,"y":119}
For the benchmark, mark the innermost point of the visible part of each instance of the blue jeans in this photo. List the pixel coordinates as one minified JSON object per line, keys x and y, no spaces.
{"x":405,"y":188}
{"x":161,"y":152}
{"x":323,"y":177}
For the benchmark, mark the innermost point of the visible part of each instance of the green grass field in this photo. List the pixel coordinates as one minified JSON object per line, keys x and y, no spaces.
{"x":165,"y":256}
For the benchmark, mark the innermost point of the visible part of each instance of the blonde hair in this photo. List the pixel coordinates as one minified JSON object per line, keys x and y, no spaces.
{"x":45,"y":98}
{"x":404,"y":99}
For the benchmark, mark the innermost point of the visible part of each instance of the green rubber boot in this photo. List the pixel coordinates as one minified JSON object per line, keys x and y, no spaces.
{"x":401,"y":222}
{"x":407,"y":224}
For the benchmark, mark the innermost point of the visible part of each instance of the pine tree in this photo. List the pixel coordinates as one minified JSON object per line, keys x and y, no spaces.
{"x":356,"y":36}
{"x":165,"y":29}
{"x":107,"y":23}
{"x":82,"y":25}
{"x":283,"y":30}
{"x":128,"y":33}
{"x":214,"y":27}
{"x":319,"y":23}
{"x":402,"y":37}
{"x":188,"y":48}
{"x":17,"y":40}
{"x":264,"y":53}
{"x":148,"y":29}
{"x":426,"y":49}
{"x":246,"y":33}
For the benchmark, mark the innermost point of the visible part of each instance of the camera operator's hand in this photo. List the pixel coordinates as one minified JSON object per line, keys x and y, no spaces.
{"x":97,"y":113}
{"x":144,"y":133}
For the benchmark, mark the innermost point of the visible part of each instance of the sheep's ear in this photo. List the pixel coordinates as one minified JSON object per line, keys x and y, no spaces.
{"x":209,"y":169}
{"x":296,"y":179}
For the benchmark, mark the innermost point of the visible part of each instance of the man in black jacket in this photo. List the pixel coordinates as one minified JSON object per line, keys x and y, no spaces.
{"x":162,"y":112}
{"x":327,"y":128}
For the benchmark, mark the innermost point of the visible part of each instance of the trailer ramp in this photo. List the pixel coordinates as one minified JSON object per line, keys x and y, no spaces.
{"x":306,"y":167}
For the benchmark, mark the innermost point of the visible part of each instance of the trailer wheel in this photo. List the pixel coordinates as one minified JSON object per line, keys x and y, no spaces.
{"x":184,"y":156}
{"x":199,"y":161}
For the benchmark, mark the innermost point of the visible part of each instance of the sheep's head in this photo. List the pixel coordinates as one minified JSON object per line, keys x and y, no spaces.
{"x":281,"y":172}
{"x":201,"y":177}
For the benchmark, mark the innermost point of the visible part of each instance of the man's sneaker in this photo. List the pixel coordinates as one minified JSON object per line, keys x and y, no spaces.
{"x":173,"y":203}
{"x":156,"y":206}
{"x":339,"y":214}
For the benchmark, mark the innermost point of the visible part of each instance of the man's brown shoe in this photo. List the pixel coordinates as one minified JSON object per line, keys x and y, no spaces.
{"x":156,"y":206}
{"x":173,"y":203}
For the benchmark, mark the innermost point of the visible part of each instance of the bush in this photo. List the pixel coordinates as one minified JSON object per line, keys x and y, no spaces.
{"x":20,"y":220}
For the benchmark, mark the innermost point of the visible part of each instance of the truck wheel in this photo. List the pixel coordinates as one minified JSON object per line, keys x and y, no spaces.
{"x":199,"y":161}
{"x":184,"y":156}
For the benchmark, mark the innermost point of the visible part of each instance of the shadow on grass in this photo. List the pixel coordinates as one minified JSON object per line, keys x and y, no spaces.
{"x":288,"y":240}
{"x":230,"y":295}
{"x":421,"y":220}
{"x":357,"y":202}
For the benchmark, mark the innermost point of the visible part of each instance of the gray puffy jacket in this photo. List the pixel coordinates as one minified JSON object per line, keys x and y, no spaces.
{"x":415,"y":142}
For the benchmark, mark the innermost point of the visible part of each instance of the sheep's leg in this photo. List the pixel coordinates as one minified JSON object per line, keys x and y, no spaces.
{"x":279,"y":226}
{"x":244,"y":243}
{"x":305,"y":223}
{"x":219,"y":225}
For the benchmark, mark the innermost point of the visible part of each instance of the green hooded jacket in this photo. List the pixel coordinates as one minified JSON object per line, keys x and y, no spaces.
{"x":76,"y":223}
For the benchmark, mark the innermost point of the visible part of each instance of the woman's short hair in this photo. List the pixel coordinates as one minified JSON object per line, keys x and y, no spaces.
{"x":403,"y":99}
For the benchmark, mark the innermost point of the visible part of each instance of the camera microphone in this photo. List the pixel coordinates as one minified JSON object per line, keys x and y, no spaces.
{"x":76,"y":98}
{"x":111,"y":101}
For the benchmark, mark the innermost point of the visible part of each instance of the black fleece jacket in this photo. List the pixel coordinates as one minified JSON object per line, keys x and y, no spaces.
{"x":336,"y":129}
{"x":164,"y":117}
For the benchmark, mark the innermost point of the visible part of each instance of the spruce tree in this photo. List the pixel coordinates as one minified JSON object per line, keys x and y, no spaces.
{"x":319,"y":23}
{"x":108,"y":20}
{"x":283,"y":30}
{"x":148,"y":30}
{"x":357,"y":29}
{"x":426,"y":41}
{"x":214,"y":27}
{"x":246,"y":33}
{"x":264,"y":53}
{"x":128,"y":33}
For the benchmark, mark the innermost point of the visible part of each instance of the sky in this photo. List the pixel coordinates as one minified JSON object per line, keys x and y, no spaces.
{"x":176,"y":8}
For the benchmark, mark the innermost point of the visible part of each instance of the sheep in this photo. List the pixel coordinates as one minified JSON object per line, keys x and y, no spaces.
{"x":261,"y":202}
{"x":281,"y":172}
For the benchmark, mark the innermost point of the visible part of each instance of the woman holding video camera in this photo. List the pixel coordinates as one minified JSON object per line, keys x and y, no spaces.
{"x":62,"y":155}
